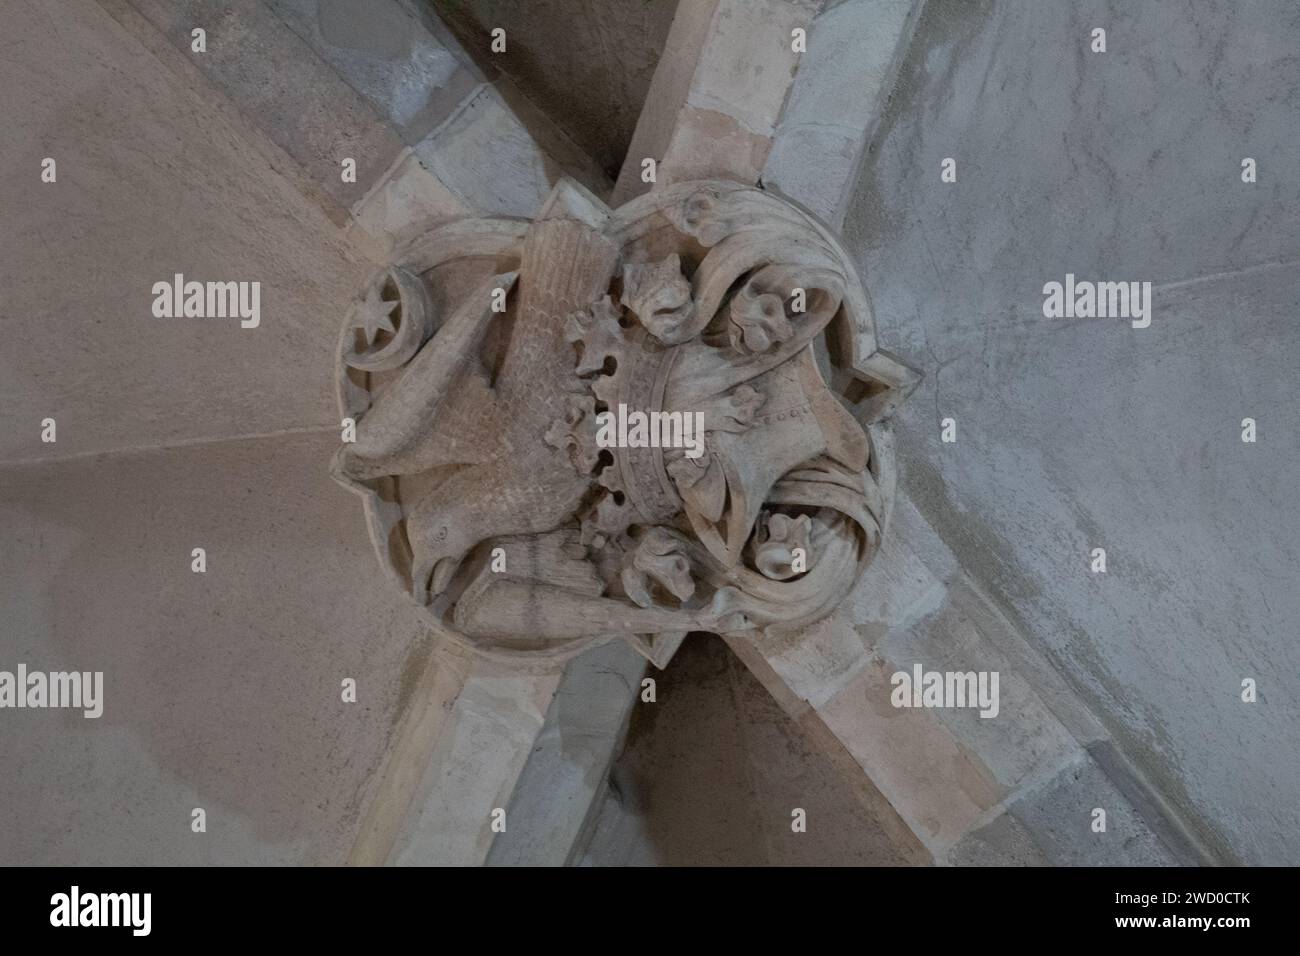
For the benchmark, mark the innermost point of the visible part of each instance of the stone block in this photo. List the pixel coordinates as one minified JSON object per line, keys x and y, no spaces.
{"x":1023,"y":740}
{"x":1052,"y":826}
{"x":488,"y":160}
{"x":569,"y":763}
{"x":747,"y":61}
{"x":835,"y":103}
{"x":406,"y":202}
{"x":716,"y":93}
{"x":478,"y":753}
{"x":934,"y":783}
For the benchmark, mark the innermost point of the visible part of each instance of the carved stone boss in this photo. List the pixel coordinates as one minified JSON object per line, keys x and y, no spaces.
{"x":489,"y":497}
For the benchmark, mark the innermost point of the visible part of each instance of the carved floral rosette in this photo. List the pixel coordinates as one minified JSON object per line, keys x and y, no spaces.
{"x":478,"y":368}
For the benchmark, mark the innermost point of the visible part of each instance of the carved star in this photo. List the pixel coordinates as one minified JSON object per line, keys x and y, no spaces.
{"x":373,"y":315}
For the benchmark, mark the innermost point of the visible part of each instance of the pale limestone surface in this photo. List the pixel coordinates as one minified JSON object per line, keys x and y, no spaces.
{"x":294,"y":147}
{"x":1016,"y":789}
{"x":1075,"y":434}
{"x":222,"y":690}
{"x":246,"y":221}
{"x":151,"y":182}
{"x":311,"y":83}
